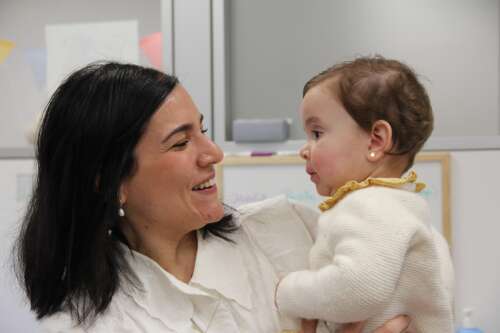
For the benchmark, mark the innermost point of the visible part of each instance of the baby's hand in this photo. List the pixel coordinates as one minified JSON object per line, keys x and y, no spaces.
{"x":309,"y":326}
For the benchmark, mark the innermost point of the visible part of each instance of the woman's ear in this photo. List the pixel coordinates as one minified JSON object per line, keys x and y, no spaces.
{"x":123,"y":193}
{"x":380,"y":140}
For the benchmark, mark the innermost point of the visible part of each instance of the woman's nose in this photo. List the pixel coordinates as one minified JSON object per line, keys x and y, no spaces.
{"x":211,"y":154}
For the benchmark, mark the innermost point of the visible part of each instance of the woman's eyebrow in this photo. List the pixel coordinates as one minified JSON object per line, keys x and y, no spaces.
{"x":181,"y":128}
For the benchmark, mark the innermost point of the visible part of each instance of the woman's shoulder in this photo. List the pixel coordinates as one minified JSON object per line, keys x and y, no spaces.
{"x":122,"y":315}
{"x":64,"y":322}
{"x":111,"y":320}
{"x":284,"y":230}
{"x":60,"y":322}
{"x":272,"y":213}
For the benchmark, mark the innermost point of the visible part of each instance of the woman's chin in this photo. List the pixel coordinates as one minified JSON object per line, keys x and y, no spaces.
{"x":213,"y":214}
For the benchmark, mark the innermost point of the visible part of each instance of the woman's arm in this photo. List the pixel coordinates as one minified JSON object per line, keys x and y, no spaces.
{"x":398,"y":324}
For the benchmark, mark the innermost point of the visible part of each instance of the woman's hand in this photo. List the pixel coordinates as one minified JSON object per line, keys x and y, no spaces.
{"x":398,"y":324}
{"x":308,"y":326}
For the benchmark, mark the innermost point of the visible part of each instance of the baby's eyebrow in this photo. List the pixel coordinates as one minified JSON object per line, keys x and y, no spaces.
{"x":312,"y":120}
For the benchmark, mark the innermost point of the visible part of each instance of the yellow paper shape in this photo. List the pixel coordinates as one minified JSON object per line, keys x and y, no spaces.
{"x":5,"y":47}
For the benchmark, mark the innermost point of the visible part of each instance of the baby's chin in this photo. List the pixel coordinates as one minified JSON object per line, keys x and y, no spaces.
{"x":324,"y":191}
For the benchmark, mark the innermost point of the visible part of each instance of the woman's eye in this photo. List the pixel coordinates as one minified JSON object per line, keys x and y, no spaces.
{"x":181,"y":144}
{"x":204,"y":130}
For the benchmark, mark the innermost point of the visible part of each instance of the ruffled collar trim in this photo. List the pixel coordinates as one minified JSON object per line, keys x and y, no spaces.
{"x":350,"y":186}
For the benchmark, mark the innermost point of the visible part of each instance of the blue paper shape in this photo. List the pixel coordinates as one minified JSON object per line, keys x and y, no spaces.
{"x":36,"y":58}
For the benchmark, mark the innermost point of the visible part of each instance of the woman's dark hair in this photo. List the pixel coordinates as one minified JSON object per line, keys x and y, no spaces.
{"x":375,"y":88}
{"x":67,"y":257}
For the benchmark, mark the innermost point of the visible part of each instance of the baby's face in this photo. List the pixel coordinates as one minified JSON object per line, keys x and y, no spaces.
{"x":337,"y":148}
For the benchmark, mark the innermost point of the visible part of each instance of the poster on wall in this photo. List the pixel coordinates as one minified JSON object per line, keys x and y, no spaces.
{"x":71,"y":46}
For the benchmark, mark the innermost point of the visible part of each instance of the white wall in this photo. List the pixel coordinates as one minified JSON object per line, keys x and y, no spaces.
{"x":192,"y":53}
{"x":15,"y":184}
{"x":475,"y":202}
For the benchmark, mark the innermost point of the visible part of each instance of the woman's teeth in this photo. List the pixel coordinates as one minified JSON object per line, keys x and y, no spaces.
{"x":207,"y":184}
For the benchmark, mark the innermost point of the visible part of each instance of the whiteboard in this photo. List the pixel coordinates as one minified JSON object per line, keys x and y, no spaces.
{"x":243,"y":179}
{"x":15,"y":188}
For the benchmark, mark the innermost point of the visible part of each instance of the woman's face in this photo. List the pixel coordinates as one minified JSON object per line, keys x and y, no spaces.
{"x":173,"y":187}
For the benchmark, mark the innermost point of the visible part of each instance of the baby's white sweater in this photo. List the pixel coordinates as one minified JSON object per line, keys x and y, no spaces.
{"x":376,"y":255}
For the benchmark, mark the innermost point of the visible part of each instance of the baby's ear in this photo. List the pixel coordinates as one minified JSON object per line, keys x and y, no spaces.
{"x":380,"y":140}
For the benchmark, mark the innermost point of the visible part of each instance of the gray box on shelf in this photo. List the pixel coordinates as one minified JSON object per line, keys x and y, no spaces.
{"x":260,"y":130}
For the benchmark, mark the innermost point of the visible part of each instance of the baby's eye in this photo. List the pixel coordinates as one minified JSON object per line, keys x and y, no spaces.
{"x":316,"y":134}
{"x":204,"y":130}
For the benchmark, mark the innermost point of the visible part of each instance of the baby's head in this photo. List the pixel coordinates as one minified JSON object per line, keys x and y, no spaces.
{"x":364,"y":118}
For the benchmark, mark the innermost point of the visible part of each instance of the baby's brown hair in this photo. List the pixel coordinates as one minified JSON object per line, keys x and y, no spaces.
{"x":375,"y":88}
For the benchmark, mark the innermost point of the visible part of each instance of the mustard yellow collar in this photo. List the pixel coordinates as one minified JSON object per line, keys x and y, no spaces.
{"x":353,"y":185}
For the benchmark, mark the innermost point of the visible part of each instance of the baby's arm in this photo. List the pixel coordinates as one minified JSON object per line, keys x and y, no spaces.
{"x":359,"y":278}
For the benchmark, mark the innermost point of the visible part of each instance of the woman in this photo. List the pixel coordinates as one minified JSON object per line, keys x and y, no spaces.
{"x":125,"y":233}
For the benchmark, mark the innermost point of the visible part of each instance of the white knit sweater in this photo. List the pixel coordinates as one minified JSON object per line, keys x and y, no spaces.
{"x":375,"y":256}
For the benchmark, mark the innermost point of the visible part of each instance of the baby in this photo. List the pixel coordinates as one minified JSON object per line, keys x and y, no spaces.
{"x":376,"y":254}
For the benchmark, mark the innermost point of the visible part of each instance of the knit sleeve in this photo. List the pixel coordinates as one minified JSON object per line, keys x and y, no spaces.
{"x":359,"y":253}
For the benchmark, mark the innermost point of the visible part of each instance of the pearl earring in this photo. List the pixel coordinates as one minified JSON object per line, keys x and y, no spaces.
{"x":121,"y":212}
{"x":372,"y":154}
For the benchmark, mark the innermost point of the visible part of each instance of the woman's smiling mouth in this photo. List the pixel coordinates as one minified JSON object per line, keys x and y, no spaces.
{"x":206,"y":185}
